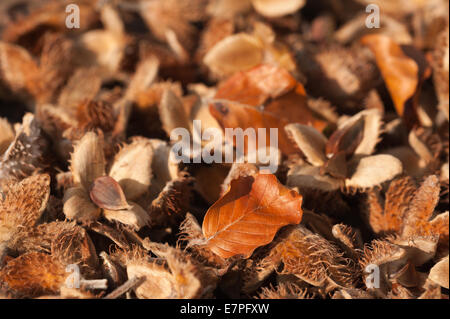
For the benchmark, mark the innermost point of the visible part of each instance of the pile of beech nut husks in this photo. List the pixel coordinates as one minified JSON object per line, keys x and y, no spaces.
{"x":94,"y":204}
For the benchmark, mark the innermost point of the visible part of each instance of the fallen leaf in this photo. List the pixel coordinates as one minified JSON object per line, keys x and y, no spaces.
{"x":403,"y":69}
{"x":249,"y":215}
{"x":263,"y":97}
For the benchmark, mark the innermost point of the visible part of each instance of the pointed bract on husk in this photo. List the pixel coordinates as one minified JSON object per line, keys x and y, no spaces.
{"x":221,"y":58}
{"x":439,"y":273}
{"x":88,"y":160}
{"x":311,"y":142}
{"x":78,"y":206}
{"x":371,"y":171}
{"x":134,"y":182}
{"x":134,"y":216}
{"x":172,"y":113}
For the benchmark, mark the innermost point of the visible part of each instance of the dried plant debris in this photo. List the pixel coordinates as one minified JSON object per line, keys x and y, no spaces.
{"x":112,"y":185}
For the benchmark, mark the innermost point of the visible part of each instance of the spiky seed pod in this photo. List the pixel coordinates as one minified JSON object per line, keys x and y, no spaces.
{"x":416,"y":219}
{"x":352,"y":293}
{"x":172,"y":275}
{"x":55,"y":66}
{"x":81,"y":88}
{"x":345,"y":75}
{"x":350,"y":240}
{"x":25,"y":154}
{"x":18,"y":72}
{"x":38,"y":238}
{"x":112,"y":271}
{"x":95,"y":114}
{"x":389,"y":217}
{"x":344,"y":160}
{"x":216,"y":30}
{"x":175,"y":16}
{"x":191,"y":235}
{"x":388,"y":258}
{"x":72,"y":245}
{"x":381,"y":252}
{"x":22,"y":204}
{"x":312,"y":259}
{"x":441,"y":70}
{"x":33,"y":274}
{"x":284,"y":291}
{"x":67,"y":242}
{"x":173,"y":201}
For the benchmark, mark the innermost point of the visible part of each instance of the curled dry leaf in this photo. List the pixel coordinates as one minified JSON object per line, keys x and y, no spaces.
{"x":401,"y":73}
{"x":284,"y":101}
{"x":249,"y":215}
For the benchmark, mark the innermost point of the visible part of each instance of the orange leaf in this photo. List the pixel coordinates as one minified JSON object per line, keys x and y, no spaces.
{"x":403,"y":69}
{"x":255,"y":86}
{"x":283,"y":101}
{"x":250,"y":214}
